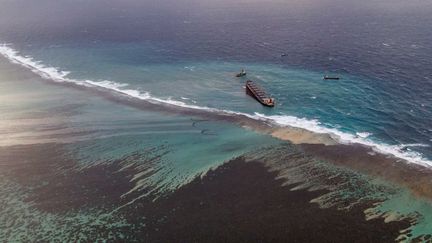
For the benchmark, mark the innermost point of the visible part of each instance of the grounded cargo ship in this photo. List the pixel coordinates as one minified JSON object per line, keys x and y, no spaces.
{"x":259,"y":94}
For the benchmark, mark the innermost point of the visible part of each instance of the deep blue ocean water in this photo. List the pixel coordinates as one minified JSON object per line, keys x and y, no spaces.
{"x":187,"y":52}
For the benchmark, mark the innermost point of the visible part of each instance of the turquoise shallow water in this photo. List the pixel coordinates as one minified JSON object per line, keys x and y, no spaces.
{"x":96,"y":131}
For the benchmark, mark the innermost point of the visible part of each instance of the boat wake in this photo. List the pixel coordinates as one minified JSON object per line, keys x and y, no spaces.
{"x":401,"y":151}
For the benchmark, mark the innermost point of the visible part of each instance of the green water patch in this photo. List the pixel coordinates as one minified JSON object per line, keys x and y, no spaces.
{"x":345,"y":189}
{"x":403,"y":205}
{"x":167,"y":156}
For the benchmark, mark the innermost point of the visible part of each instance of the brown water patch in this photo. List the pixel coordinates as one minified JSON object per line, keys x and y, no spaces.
{"x":300,"y":136}
{"x":363,"y":159}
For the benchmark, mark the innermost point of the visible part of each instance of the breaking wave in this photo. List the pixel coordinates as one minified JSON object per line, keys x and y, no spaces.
{"x":399,"y":151}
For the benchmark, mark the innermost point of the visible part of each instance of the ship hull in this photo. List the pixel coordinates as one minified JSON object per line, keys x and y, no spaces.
{"x":254,"y":92}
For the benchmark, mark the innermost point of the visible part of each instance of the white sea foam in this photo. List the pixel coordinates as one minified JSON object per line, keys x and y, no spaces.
{"x":312,"y":125}
{"x":56,"y":75}
{"x":415,"y":145}
{"x":363,"y":134}
{"x":398,"y":151}
{"x":192,"y":69}
{"x":35,"y":66}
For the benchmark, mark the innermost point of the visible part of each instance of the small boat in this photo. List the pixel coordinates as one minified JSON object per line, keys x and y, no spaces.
{"x":326,"y":77}
{"x":241,"y":74}
{"x":259,"y":94}
{"x":283,"y":55}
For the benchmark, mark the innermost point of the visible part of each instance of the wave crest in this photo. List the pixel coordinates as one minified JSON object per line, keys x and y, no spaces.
{"x":398,"y":151}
